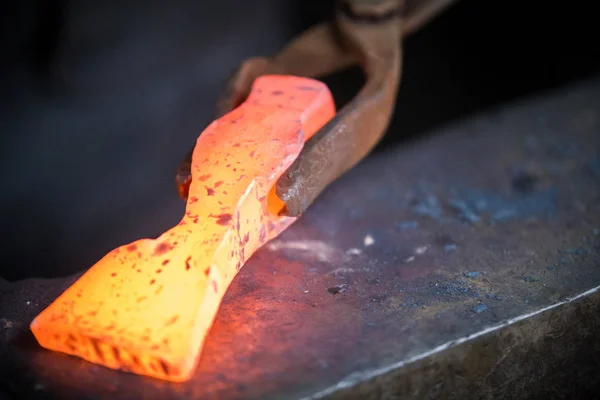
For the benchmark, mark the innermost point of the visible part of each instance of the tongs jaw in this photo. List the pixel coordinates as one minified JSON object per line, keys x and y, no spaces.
{"x":365,"y":32}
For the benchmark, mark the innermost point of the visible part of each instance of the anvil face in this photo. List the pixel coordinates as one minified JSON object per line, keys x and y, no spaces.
{"x":425,"y":270}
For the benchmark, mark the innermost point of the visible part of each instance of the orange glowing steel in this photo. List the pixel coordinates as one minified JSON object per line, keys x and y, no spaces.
{"x":146,"y":307}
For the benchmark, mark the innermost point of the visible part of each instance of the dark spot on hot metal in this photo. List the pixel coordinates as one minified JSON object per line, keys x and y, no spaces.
{"x":164,"y":366}
{"x":262,"y":233}
{"x":135,"y":360}
{"x":162,"y":248}
{"x":116,"y":353}
{"x":307,"y":88}
{"x":97,"y":349}
{"x":222,"y":219}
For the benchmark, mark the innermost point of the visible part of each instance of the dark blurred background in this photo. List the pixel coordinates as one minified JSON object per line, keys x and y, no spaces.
{"x":101,"y":100}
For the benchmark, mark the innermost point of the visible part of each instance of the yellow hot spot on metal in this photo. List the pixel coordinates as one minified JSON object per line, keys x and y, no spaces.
{"x":146,"y":307}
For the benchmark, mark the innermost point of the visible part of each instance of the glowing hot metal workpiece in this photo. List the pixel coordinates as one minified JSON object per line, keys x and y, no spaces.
{"x":146,"y":307}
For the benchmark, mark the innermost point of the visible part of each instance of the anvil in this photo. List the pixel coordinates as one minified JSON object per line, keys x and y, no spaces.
{"x":468,"y":268}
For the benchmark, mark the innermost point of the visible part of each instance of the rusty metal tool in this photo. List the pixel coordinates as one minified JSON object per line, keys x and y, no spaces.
{"x":368,"y":33}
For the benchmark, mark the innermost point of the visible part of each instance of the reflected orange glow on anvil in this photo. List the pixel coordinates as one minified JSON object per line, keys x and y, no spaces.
{"x":263,"y":316}
{"x":147,"y":306}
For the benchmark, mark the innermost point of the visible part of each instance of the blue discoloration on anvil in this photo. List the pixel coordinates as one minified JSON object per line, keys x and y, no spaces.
{"x":577,"y":251}
{"x":429,"y":206}
{"x":465,"y":211}
{"x":529,"y":278}
{"x":480,"y":308}
{"x":473,"y":206}
{"x":561,"y":149}
{"x":503,"y":215}
{"x":449,"y":248}
{"x":554,"y":167}
{"x":531,"y":145}
{"x":408,"y":225}
{"x":355,"y":213}
{"x":593,"y":166}
{"x":539,"y":204}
